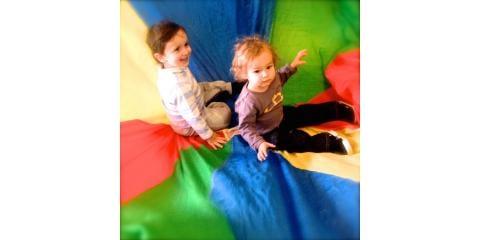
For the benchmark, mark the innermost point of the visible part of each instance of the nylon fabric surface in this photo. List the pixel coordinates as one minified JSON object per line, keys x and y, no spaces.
{"x":325,"y":29}
{"x":175,"y":187}
{"x":139,"y":98}
{"x":274,"y":200}
{"x":180,"y":207}
{"x":212,"y":28}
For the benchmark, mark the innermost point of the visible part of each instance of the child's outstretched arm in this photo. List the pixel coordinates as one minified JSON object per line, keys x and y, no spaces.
{"x":288,"y":70}
{"x":191,"y":112}
{"x":190,"y":108}
{"x":247,"y":128}
{"x":297,"y":61}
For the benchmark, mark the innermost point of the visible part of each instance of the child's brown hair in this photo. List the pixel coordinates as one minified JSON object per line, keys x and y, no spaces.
{"x":159,"y":34}
{"x":247,"y":49}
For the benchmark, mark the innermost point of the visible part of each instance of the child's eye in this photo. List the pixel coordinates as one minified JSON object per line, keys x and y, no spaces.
{"x":176,"y":49}
{"x":186,"y":44}
{"x":256,"y":71}
{"x":270,"y":66}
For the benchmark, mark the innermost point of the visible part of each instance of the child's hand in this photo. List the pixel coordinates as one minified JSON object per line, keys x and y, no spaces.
{"x":262,"y":150}
{"x":297,"y":61}
{"x":228,"y":133}
{"x":216,"y":142}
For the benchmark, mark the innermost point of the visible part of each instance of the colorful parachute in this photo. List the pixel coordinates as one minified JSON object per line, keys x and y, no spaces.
{"x":176,"y":187}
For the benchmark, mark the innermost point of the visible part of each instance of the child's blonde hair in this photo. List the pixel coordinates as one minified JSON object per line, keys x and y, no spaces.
{"x":245,"y":50}
{"x":159,"y":34}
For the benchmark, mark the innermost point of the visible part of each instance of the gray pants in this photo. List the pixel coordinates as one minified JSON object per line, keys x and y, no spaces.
{"x":218,"y":114}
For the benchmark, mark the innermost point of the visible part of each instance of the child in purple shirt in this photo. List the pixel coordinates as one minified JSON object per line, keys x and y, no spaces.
{"x":263,"y":120}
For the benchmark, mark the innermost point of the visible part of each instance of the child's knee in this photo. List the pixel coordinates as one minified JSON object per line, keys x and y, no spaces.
{"x":218,"y":115}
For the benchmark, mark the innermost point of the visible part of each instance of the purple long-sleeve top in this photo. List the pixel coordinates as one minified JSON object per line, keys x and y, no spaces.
{"x":259,"y":113}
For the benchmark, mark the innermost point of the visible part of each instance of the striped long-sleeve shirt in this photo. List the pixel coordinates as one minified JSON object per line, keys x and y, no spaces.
{"x":183,"y":101}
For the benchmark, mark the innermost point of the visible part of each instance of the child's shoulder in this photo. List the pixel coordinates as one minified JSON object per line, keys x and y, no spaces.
{"x":175,"y":74}
{"x":246,"y":98}
{"x":246,"y":94}
{"x":174,"y":71}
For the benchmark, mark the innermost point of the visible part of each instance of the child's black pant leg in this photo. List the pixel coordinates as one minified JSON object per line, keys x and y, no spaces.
{"x":291,"y":140}
{"x":222,"y":96}
{"x":294,"y":140}
{"x":326,"y":142}
{"x":313,"y":114}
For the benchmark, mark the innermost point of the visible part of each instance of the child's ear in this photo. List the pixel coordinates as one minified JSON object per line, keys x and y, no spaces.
{"x":159,"y":57}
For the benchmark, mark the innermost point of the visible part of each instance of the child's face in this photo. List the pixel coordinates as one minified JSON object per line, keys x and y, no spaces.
{"x":261,"y":72}
{"x":177,"y":51}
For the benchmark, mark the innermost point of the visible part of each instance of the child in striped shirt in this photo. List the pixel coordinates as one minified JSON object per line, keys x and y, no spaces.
{"x":183,"y":98}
